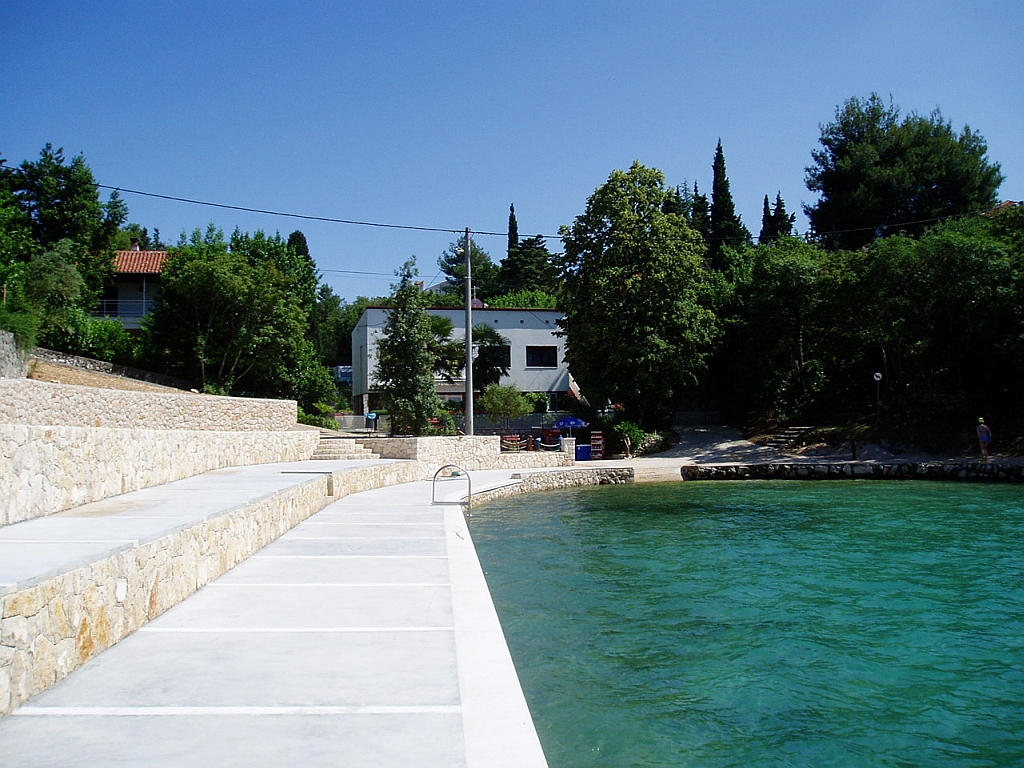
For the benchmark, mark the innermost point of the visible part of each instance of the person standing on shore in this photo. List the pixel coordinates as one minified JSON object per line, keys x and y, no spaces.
{"x":984,"y":438}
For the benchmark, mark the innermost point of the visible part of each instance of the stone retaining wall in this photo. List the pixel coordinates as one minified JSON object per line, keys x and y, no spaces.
{"x":47,"y":469}
{"x":13,"y":363}
{"x":469,"y":452}
{"x":25,"y":401}
{"x":904,"y":470}
{"x":549,"y":481}
{"x":50,"y":628}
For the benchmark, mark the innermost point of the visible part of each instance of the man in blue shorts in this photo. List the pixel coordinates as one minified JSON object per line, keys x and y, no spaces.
{"x":984,"y":438}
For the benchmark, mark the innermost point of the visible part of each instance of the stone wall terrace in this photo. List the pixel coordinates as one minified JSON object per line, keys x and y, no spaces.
{"x":47,"y":469}
{"x":25,"y":401}
{"x":469,"y":452}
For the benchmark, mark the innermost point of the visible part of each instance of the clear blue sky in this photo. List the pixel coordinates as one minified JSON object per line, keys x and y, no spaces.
{"x":442,"y":114}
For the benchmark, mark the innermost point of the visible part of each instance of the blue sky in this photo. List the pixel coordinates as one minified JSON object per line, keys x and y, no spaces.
{"x":442,"y":114}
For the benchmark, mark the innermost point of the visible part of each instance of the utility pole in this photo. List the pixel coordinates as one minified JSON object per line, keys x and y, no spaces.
{"x":469,"y":334}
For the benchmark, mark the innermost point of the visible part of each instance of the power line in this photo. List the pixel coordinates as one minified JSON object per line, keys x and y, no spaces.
{"x":459,"y":231}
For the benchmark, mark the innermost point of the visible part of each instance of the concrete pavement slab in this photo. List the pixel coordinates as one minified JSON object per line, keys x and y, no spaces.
{"x":364,"y":637}
{"x":239,"y":669}
{"x":250,"y":737}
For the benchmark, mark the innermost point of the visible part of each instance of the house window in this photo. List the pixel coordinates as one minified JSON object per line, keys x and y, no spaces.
{"x":542,"y":357}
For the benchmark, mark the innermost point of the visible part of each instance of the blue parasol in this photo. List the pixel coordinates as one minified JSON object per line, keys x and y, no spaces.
{"x":571,"y":422}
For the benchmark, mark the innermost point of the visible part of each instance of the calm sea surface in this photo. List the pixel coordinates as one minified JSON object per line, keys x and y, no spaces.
{"x":766,"y":624}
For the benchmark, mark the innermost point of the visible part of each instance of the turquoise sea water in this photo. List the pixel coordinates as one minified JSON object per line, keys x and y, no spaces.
{"x":766,"y":624}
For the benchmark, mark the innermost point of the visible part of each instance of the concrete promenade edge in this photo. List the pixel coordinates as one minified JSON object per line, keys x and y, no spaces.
{"x":365,"y":636}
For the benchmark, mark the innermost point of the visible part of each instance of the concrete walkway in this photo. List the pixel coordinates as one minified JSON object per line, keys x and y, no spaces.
{"x":365,"y":637}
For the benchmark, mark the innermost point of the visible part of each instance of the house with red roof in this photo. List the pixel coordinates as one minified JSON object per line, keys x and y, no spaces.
{"x":135,"y":287}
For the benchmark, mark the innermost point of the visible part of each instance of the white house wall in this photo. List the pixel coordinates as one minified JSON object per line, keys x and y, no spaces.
{"x":522,"y":327}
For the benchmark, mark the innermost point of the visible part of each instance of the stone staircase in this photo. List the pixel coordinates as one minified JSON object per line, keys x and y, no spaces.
{"x":787,"y":438}
{"x":334,"y":447}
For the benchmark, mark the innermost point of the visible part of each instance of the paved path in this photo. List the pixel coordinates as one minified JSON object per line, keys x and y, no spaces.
{"x":364,"y":637}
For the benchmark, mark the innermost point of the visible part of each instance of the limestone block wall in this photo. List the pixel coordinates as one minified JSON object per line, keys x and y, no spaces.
{"x":52,"y":627}
{"x":469,"y":452}
{"x":549,"y":481}
{"x":972,"y":471}
{"x":25,"y":401}
{"x":46,"y":469}
{"x":13,"y":364}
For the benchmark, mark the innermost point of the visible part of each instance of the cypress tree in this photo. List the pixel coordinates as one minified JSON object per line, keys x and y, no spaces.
{"x":726,"y":227}
{"x":513,"y":230}
{"x":767,"y":224}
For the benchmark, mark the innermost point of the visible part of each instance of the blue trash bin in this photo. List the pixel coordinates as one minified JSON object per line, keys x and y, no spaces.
{"x":582,"y":453}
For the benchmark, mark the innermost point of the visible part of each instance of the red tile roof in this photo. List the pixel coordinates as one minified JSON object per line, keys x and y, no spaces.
{"x":140,"y":262}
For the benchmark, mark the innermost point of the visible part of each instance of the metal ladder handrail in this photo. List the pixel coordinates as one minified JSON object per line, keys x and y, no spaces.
{"x":433,"y":487}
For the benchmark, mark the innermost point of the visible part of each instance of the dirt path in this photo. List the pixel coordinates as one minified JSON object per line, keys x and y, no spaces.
{"x":57,"y":373}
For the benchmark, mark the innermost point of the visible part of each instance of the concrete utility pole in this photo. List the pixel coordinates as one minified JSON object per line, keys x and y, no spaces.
{"x":469,"y":334}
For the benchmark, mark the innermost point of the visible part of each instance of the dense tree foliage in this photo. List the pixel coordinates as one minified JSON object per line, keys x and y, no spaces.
{"x":62,"y":202}
{"x":637,"y":326}
{"x":877,"y":174}
{"x":227,"y":318}
{"x":504,"y":402}
{"x":405,"y":365}
{"x":904,"y":278}
{"x":452,"y":264}
{"x":56,"y":251}
{"x":529,"y":266}
{"x":775,"y":221}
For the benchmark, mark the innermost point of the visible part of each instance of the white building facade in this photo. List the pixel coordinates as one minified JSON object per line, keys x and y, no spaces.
{"x":536,"y":354}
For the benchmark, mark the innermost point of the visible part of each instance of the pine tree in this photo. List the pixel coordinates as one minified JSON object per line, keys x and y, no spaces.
{"x":405,"y":365}
{"x":700,"y":214}
{"x":783,"y":222}
{"x":726,"y":227}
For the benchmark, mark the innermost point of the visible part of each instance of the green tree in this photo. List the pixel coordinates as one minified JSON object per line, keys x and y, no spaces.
{"x":123,"y":239}
{"x":775,"y":221}
{"x":513,"y":229}
{"x":529,"y":266}
{"x":62,"y":202}
{"x":17,"y":248}
{"x":505,"y":402}
{"x":291,"y":259}
{"x":448,"y":354}
{"x":228,"y":320}
{"x":638,"y":331}
{"x":726,"y":228}
{"x":405,"y":366}
{"x":492,"y":359}
{"x":877,"y":174}
{"x":453,"y":264}
{"x":774,"y":357}
{"x":700,"y":214}
{"x":524,"y":300}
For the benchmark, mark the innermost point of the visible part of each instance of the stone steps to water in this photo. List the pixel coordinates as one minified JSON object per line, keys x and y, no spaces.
{"x":336,"y":448}
{"x":787,"y":438}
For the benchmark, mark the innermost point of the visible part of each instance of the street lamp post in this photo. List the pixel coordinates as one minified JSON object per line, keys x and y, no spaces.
{"x":469,"y":335}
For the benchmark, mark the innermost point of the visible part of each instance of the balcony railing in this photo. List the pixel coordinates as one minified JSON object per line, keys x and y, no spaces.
{"x":124,"y":308}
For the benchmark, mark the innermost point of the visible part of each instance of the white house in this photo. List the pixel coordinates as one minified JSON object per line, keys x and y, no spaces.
{"x":536,"y":354}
